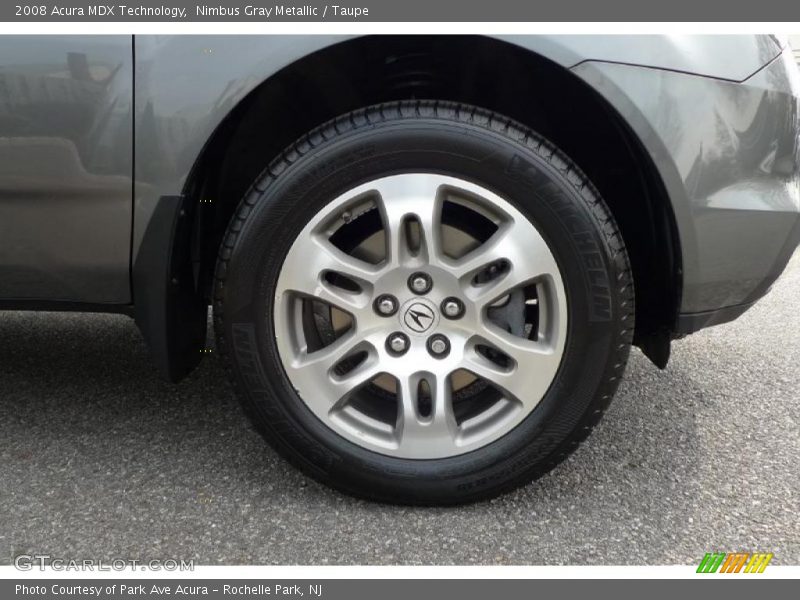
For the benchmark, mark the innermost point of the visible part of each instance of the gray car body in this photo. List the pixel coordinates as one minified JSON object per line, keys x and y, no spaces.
{"x":95,"y":130}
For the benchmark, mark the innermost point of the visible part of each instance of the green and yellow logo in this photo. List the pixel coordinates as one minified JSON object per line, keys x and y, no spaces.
{"x":734,"y":562}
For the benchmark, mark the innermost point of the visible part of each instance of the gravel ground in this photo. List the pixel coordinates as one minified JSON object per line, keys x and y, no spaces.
{"x":100,"y":459}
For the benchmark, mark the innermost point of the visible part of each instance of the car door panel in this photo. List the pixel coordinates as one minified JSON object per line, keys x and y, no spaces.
{"x":65,"y":168}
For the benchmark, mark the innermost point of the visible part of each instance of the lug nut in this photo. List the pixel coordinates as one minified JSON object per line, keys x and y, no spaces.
{"x":397,"y":343}
{"x":385,"y":305}
{"x":452,"y":308}
{"x":438,"y":346}
{"x":420,"y":283}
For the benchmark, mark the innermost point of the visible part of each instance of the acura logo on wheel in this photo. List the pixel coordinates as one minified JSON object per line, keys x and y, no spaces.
{"x":419,"y":317}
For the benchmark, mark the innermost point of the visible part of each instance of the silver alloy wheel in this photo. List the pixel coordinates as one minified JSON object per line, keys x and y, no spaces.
{"x":514,"y":263}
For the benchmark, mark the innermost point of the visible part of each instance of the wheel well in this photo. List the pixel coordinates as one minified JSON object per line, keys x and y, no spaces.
{"x":495,"y":75}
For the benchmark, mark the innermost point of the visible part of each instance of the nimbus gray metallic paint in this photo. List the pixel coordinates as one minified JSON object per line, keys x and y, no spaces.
{"x":728,"y":155}
{"x":681,"y":119}
{"x":65,"y":168}
{"x":724,"y":144}
{"x":187,"y":85}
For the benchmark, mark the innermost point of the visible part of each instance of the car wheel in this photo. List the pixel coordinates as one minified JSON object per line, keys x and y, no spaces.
{"x":424,"y":302}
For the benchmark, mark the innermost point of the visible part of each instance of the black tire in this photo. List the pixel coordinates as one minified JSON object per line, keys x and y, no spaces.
{"x":473,"y":144}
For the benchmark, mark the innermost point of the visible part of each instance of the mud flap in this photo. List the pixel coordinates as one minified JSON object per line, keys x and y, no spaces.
{"x":656,"y":347}
{"x":169,"y":308}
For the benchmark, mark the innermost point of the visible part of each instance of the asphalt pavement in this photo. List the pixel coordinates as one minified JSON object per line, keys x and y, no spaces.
{"x":101,"y":459}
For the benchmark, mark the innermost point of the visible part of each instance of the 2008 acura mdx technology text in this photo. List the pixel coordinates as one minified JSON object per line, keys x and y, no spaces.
{"x":427,"y":257}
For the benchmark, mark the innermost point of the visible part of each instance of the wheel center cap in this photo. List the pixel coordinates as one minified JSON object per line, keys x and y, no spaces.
{"x":418,"y":316}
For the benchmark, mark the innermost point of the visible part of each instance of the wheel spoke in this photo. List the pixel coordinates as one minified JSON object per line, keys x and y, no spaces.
{"x":401,"y":199}
{"x":308,"y":264}
{"x":318,"y":366}
{"x":434,"y":433}
{"x":519,"y":258}
{"x":528,"y":376}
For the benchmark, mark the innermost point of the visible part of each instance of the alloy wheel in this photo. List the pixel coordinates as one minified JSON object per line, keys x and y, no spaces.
{"x":427,"y":340}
